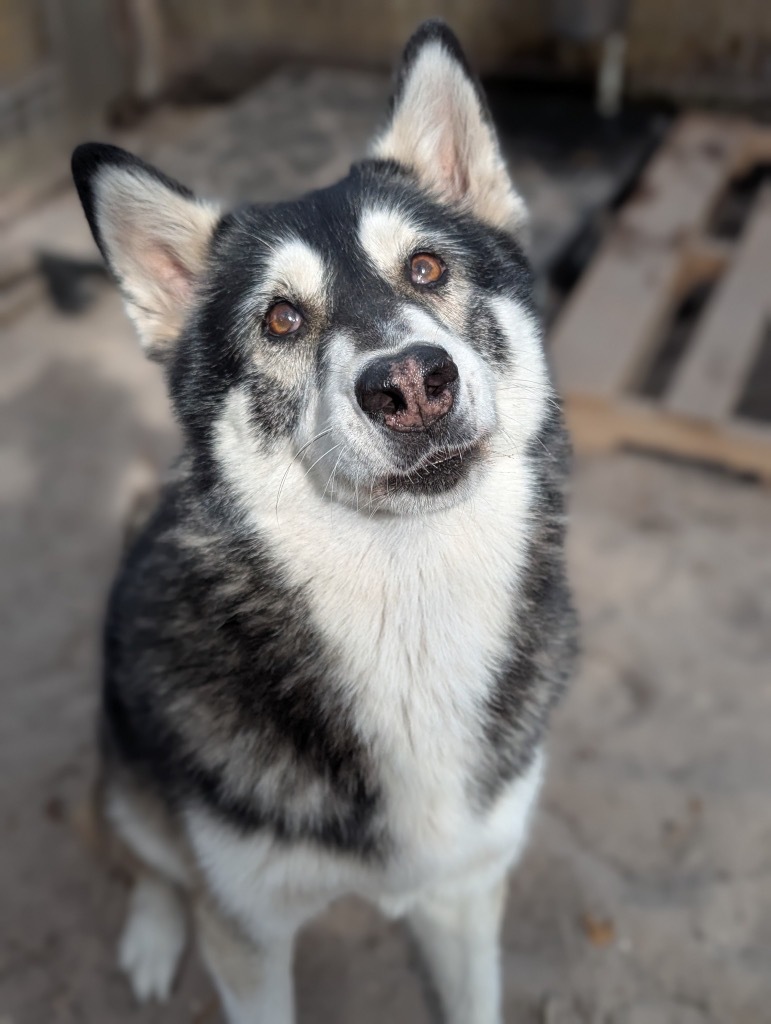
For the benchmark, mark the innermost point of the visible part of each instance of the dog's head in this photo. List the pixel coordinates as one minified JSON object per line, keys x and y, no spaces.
{"x":375,"y":339}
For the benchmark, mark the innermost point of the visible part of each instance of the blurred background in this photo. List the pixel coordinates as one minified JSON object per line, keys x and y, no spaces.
{"x":639,"y":132}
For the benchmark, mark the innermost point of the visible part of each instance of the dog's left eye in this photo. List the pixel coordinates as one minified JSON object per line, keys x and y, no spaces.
{"x":425,"y":268}
{"x":282,"y":318}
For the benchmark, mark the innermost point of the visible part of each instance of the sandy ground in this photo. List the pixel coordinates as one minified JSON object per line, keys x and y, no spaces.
{"x":645,"y":894}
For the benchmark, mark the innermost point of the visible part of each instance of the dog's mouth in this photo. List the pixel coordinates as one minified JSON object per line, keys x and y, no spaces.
{"x":440,"y":471}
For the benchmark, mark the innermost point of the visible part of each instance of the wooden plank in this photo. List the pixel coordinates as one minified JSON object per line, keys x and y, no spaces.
{"x":683,"y":182}
{"x":614,"y":317}
{"x":656,"y":254}
{"x":610,"y":331}
{"x":704,"y":260}
{"x":598,"y":426}
{"x":611,"y":324}
{"x":710,"y":378}
{"x":758,"y":146}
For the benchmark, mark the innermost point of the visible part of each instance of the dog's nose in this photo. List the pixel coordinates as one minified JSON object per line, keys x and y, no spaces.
{"x":409,"y":391}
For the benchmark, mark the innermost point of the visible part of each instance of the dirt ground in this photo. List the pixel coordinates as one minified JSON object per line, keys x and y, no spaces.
{"x":645,"y":894}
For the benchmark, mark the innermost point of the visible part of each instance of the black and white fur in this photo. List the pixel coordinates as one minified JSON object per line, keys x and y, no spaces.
{"x":332,"y":652}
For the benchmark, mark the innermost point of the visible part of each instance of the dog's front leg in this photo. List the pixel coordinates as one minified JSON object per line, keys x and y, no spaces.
{"x":458,"y":930}
{"x":254,"y":979}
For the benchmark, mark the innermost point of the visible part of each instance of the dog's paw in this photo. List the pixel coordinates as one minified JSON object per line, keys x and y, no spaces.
{"x":153,"y":940}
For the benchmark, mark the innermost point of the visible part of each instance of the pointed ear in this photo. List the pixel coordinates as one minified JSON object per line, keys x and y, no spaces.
{"x":153,"y":234}
{"x":440,"y":127}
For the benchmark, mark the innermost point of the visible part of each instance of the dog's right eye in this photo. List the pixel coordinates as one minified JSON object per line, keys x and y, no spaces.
{"x":426,"y":269}
{"x":282,"y":319}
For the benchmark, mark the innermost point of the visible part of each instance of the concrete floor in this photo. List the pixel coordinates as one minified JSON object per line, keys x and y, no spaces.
{"x":645,"y":895}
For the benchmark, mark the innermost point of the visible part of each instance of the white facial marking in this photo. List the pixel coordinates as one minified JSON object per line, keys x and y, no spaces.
{"x":295,"y":270}
{"x":524,"y":397}
{"x":387,"y":238}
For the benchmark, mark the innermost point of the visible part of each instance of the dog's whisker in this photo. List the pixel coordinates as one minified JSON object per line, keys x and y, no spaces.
{"x":331,"y":476}
{"x":332,"y":492}
{"x":318,"y":460}
{"x":296,"y":456}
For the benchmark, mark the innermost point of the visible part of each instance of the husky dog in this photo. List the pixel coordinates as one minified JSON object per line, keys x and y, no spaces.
{"x":332,"y":652}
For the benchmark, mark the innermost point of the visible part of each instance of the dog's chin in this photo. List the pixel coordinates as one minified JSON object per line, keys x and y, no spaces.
{"x":445,"y":478}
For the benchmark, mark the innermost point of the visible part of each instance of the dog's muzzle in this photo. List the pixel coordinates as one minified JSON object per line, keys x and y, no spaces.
{"x":411,"y":391}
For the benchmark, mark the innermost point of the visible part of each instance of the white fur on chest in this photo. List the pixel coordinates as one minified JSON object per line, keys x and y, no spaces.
{"x":418,"y":614}
{"x":269,"y":886}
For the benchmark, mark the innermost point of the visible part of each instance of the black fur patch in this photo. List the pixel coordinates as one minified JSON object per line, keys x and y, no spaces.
{"x":214,"y":676}
{"x":544,"y":645}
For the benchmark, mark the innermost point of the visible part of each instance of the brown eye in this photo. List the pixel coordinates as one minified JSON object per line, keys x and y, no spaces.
{"x":282,"y":318}
{"x":426,"y":268}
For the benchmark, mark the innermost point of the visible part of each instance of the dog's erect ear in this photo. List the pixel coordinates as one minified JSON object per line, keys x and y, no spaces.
{"x":153,"y":233}
{"x":440,"y":127}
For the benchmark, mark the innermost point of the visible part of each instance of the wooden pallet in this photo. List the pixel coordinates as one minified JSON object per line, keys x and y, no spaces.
{"x":658,"y":250}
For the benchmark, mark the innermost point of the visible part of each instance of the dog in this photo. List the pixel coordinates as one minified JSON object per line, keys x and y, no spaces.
{"x":332,"y":651}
